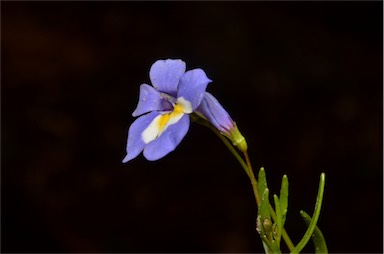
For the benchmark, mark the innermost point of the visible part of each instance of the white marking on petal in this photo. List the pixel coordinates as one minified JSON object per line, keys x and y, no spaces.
{"x":172,"y":120}
{"x":187,"y":106}
{"x":152,"y":131}
{"x":159,"y":125}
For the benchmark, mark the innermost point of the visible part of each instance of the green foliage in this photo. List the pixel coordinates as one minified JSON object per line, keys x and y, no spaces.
{"x":262,"y":181}
{"x":264,"y":222}
{"x":271,"y":232}
{"x":317,"y":236}
{"x":279,"y":222}
{"x":265,"y":226}
{"x":315,"y":217}
{"x":270,"y":223}
{"x":284,"y":198}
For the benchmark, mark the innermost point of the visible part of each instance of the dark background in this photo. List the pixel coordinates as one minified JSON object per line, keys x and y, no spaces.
{"x":303,"y":80}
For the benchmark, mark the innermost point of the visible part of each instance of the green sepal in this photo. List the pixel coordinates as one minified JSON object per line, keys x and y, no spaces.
{"x":315,"y":217}
{"x":284,"y":198}
{"x":317,"y":236}
{"x":238,"y":139}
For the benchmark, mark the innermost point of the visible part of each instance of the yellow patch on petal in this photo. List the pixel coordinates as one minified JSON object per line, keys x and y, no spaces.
{"x":161,"y":122}
{"x":178,"y":109}
{"x":169,"y":118}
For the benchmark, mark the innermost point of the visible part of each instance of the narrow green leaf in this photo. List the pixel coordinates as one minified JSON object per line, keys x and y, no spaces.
{"x":262,"y":180}
{"x":264,"y":206}
{"x":284,"y":198}
{"x":264,"y":216}
{"x":317,"y":236}
{"x":266,"y":245}
{"x":315,"y":217}
{"x":269,"y":247}
{"x":279,"y":219}
{"x":275,"y":249}
{"x":264,"y":223}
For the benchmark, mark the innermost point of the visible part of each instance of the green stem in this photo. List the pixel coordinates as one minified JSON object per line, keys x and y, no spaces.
{"x":247,"y":166}
{"x":226,"y":143}
{"x":253,"y":179}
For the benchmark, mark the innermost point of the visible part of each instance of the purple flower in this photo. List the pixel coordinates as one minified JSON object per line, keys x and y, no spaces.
{"x":163,"y":109}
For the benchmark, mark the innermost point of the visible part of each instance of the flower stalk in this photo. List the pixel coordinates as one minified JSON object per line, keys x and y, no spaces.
{"x":247,"y":166}
{"x":164,"y":112}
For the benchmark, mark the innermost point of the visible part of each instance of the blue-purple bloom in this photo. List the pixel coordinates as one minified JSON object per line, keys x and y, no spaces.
{"x":163,"y":109}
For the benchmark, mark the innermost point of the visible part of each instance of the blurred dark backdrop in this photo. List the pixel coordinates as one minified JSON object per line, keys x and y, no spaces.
{"x":303,"y":80}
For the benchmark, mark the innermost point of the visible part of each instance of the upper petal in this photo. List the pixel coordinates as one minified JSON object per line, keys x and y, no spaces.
{"x":168,"y":140}
{"x":192,"y":86}
{"x":150,"y":99}
{"x":135,"y":143}
{"x":165,"y":75}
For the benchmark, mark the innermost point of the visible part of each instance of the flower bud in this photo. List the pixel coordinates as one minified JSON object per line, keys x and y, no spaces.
{"x":211,"y":109}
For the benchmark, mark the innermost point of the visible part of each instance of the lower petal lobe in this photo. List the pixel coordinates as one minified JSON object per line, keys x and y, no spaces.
{"x":135,"y":144}
{"x":168,"y":140}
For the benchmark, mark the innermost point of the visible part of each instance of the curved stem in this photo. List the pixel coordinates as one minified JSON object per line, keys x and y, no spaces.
{"x":247,"y":166}
{"x":226,"y":143}
{"x":253,"y":179}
